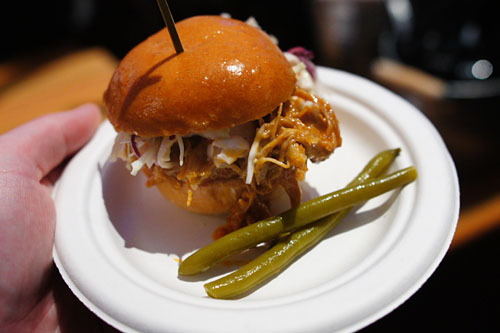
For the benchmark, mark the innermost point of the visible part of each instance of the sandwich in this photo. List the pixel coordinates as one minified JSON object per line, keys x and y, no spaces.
{"x":224,"y":125}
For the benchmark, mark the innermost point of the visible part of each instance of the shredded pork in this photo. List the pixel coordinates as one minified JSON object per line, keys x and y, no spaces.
{"x":303,"y":128}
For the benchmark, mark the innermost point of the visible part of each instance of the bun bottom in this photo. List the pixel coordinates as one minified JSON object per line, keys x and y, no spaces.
{"x":215,"y":197}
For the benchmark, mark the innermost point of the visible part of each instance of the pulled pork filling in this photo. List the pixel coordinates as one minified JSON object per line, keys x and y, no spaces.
{"x":261,"y":154}
{"x":305,"y":127}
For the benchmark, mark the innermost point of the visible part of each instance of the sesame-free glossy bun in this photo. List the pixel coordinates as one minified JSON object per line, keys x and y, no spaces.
{"x":229,"y":73}
{"x":214,"y":197}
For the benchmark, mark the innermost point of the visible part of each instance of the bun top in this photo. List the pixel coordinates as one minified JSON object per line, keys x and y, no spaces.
{"x":229,"y":73}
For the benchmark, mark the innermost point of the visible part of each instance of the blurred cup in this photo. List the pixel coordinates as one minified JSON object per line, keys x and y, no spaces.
{"x":347,"y":32}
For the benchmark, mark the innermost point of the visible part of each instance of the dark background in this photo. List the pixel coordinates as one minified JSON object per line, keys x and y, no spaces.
{"x":120,"y":25}
{"x":443,"y":38}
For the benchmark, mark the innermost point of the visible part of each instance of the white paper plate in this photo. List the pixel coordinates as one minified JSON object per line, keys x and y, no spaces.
{"x":117,"y":242}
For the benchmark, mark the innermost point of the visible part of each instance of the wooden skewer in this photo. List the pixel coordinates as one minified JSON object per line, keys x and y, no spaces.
{"x":169,"y":21}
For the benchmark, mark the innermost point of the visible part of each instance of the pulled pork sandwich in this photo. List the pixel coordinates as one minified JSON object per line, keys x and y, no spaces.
{"x":222,"y":125}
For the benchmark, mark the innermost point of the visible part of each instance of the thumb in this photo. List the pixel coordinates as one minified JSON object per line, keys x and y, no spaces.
{"x":42,"y":144}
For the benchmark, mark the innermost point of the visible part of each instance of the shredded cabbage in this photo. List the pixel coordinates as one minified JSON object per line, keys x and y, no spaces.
{"x":164,"y":152}
{"x":232,"y":148}
{"x":148,"y":157}
{"x":304,"y":78}
{"x":215,"y":134}
{"x":181,"y":149}
{"x":252,"y":156}
{"x":152,"y":151}
{"x":120,"y":148}
{"x":224,"y":148}
{"x":235,"y":142}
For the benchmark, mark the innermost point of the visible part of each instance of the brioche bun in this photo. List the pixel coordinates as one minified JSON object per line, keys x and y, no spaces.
{"x":229,"y":73}
{"x":214,"y":197}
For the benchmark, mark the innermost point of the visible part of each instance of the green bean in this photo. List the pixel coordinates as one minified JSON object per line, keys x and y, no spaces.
{"x":273,"y":260}
{"x":291,"y":220}
{"x":273,"y":227}
{"x":285,"y":251}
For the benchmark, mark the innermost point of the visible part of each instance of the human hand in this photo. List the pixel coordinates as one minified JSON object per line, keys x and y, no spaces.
{"x":33,"y":296}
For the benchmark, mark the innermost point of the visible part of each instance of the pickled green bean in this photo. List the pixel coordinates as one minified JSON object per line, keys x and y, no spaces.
{"x":273,"y":260}
{"x":285,"y":251}
{"x":293,"y":219}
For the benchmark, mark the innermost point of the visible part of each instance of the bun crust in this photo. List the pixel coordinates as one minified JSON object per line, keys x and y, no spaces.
{"x":215,"y":197}
{"x":229,"y":73}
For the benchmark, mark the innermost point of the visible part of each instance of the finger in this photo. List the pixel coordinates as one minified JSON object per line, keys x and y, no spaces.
{"x":42,"y":144}
{"x":51,"y":178}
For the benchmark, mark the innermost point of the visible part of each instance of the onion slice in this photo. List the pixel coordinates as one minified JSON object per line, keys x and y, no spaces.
{"x":306,"y":57}
{"x":134,"y":146}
